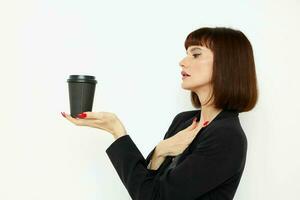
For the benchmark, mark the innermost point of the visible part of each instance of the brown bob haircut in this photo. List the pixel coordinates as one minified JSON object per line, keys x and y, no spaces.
{"x":234,"y":83}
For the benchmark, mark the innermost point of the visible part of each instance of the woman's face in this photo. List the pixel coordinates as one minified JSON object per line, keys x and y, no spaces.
{"x":198,"y":63}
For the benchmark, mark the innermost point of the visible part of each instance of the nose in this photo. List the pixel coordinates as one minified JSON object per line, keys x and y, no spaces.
{"x":182,"y":63}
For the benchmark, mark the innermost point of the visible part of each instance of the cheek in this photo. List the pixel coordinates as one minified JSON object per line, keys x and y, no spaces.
{"x":202,"y":78}
{"x":204,"y":72}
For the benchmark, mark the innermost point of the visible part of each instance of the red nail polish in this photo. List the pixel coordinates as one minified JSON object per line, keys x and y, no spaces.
{"x":205,"y":123}
{"x":82,"y":115}
{"x":63,"y":114}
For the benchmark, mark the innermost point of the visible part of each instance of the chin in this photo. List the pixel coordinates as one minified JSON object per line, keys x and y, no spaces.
{"x":193,"y":87}
{"x":186,"y":87}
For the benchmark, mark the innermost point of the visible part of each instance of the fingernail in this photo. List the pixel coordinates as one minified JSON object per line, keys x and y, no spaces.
{"x":194,"y":119}
{"x":81,"y":115}
{"x":205,"y":123}
{"x":63,"y":114}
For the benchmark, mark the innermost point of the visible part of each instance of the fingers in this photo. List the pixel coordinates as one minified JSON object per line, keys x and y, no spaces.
{"x":196,"y":130}
{"x":89,"y":115}
{"x":96,"y":115}
{"x":193,"y":125}
{"x":79,"y":122}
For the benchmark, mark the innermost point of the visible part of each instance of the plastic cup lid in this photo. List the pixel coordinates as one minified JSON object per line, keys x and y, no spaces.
{"x":82,"y":79}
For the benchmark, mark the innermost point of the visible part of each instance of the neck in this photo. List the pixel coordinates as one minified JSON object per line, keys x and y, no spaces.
{"x":208,"y":113}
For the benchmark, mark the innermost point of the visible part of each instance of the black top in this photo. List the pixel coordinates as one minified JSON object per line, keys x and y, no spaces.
{"x":209,"y":168}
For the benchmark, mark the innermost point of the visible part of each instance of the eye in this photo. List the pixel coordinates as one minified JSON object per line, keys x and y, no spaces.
{"x":196,"y":55}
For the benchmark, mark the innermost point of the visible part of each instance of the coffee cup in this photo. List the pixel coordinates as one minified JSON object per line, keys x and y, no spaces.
{"x":81,"y":93}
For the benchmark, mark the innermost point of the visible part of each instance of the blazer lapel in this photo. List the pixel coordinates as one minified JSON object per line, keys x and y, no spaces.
{"x":172,"y":161}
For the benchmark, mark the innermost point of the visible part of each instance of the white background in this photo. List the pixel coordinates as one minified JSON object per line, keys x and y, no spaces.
{"x":133,"y":48}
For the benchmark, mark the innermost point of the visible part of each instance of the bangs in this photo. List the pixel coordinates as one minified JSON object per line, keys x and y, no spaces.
{"x":202,"y":37}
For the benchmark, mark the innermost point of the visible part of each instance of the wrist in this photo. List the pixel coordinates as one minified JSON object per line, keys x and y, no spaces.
{"x":119,"y":134}
{"x":118,"y":130}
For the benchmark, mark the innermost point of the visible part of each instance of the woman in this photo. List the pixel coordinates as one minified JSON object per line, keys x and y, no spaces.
{"x":202,"y":158}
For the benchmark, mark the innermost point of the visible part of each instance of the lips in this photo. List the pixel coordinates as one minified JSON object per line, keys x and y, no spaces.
{"x":183,"y":73}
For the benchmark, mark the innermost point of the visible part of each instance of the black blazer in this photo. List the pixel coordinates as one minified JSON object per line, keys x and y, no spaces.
{"x":210,"y":168}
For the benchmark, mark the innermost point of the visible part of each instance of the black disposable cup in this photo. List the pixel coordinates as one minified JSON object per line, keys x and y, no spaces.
{"x":81,"y":93}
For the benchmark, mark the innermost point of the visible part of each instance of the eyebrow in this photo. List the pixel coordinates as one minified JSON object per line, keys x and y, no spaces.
{"x":194,"y":48}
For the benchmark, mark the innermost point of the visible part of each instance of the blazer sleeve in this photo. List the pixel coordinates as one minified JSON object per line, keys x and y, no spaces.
{"x":212,"y":163}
